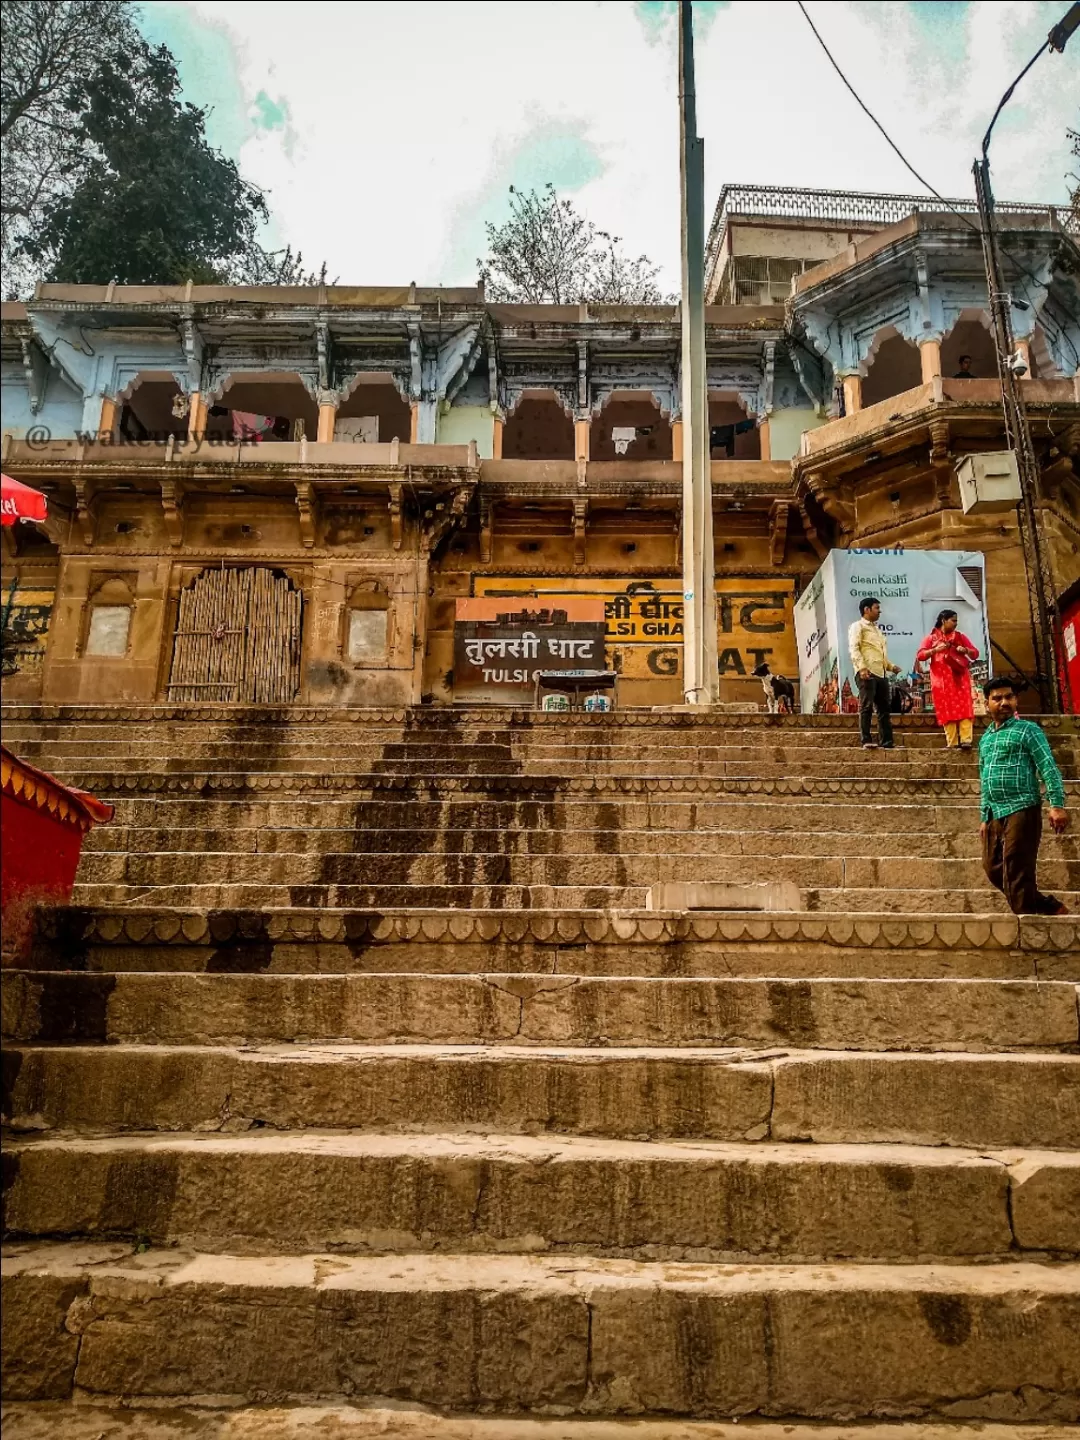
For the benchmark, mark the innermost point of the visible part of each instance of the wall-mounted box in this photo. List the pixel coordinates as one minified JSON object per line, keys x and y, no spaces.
{"x":988,"y":482}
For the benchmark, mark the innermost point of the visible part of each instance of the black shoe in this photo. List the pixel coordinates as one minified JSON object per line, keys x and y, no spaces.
{"x":888,"y":745}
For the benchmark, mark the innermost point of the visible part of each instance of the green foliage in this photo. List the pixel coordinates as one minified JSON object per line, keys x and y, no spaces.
{"x":153,"y":203}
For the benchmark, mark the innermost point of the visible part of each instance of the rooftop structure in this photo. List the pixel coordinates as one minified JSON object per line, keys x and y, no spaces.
{"x":762,"y":236}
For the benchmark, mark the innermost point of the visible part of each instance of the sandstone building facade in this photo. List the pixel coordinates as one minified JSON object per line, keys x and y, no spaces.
{"x":278,"y":495}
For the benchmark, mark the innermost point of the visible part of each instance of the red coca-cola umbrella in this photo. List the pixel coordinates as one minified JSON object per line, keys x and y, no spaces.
{"x":19,"y":502}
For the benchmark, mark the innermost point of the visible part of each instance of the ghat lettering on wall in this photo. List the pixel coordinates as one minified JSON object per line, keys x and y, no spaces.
{"x":644,"y":620}
{"x":26,"y":617}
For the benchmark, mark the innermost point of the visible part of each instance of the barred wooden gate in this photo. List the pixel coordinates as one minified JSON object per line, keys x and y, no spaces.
{"x":237,"y":638}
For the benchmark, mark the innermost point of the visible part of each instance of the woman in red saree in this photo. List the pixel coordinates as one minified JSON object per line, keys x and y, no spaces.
{"x":950,"y":654}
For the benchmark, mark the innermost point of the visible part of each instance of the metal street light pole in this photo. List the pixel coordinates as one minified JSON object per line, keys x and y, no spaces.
{"x":1042,"y":599}
{"x":700,"y":674}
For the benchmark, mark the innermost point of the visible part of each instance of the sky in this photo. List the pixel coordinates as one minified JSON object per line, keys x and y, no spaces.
{"x":386,"y":134}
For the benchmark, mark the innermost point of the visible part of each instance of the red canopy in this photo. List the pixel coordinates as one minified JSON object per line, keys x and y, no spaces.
{"x":19,"y":502}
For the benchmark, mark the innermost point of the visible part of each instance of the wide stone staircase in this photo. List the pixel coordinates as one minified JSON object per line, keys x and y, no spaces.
{"x":438,"y":1073}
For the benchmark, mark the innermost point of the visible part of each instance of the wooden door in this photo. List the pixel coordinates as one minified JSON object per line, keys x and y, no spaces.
{"x":237,"y":638}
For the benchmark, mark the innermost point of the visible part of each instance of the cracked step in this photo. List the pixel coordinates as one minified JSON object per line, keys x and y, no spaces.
{"x":356,"y":1193}
{"x":506,"y":1333}
{"x":194,"y":1009}
{"x":969,"y":1101}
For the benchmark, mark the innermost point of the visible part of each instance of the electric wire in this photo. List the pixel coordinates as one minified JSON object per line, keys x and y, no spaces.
{"x":922,"y":179}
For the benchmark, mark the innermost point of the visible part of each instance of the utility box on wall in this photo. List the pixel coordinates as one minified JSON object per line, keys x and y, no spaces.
{"x":988,"y":482}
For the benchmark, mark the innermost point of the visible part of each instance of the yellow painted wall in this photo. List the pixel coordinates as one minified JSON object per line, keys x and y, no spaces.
{"x":462,"y":423}
{"x":786,"y":428}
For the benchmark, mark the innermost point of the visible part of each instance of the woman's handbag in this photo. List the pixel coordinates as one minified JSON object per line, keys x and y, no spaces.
{"x":956,"y":662}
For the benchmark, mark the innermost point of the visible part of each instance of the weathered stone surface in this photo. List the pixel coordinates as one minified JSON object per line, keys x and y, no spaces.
{"x":1045,"y":1201}
{"x":46,"y":1420}
{"x":454,"y":1192}
{"x":993,"y":1100}
{"x":38,"y":1351}
{"x":447,"y":1117}
{"x":857,"y":1014}
{"x":614,"y":1337}
{"x":635,"y":1093}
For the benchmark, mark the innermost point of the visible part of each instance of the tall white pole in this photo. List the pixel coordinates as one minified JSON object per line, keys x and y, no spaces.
{"x":700,"y":678}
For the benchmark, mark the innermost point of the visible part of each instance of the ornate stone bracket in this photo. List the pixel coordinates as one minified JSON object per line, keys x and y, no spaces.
{"x":778,"y":528}
{"x":322,"y":346}
{"x":812,"y":533}
{"x":837,"y":506}
{"x":307,"y":508}
{"x":941,"y":460}
{"x":394,"y":506}
{"x":36,"y":370}
{"x":487,"y":528}
{"x":172,"y":502}
{"x":1061,"y":462}
{"x":581,"y":512}
{"x":444,"y":519}
{"x":84,"y":512}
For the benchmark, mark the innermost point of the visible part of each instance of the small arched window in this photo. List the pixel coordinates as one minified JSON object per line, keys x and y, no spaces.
{"x":366,"y":639}
{"x":108,"y":630}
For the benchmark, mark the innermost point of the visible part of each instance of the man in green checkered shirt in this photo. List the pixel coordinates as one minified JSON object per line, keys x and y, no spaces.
{"x":1014,"y":757}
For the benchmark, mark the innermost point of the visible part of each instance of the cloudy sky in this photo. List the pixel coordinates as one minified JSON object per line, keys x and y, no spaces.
{"x":386,"y":134}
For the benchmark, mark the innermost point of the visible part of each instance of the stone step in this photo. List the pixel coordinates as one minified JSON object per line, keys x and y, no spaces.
{"x":193,"y":1009}
{"x":533,"y":787}
{"x":293,"y":839}
{"x":852,"y":761}
{"x":390,"y":896}
{"x":509,"y":1333}
{"x":621,"y":871}
{"x":46,"y":1419}
{"x":849,"y":758}
{"x":435,"y":725}
{"x":642,"y":942}
{"x":995,"y":1101}
{"x":660,"y":814}
{"x":441,"y":723}
{"x":714,"y":1202}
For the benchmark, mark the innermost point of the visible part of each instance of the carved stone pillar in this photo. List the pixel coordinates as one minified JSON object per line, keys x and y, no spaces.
{"x":852,"y":394}
{"x":197,"y":415}
{"x":676,"y":441}
{"x":497,"y":438}
{"x":109,"y":416}
{"x":930,"y":360}
{"x":327,"y":417}
{"x":582,"y":427}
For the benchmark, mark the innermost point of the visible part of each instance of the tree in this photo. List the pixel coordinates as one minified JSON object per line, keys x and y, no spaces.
{"x":1072,"y":221}
{"x":276,"y":267}
{"x":50,"y":49}
{"x":153,"y":202}
{"x":547,"y":253}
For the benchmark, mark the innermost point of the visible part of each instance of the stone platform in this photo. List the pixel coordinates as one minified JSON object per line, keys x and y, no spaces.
{"x":360,"y":1092}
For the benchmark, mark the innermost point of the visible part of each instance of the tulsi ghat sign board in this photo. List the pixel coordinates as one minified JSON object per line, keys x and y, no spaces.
{"x":501,"y":644}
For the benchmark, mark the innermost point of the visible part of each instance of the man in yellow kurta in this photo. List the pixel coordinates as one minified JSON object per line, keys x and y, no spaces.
{"x":870,"y":661}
